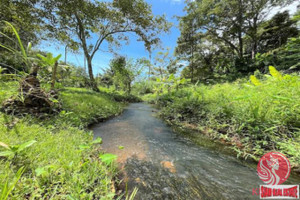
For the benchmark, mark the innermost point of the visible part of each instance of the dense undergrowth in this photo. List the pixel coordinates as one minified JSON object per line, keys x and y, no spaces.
{"x":56,"y":158}
{"x":255,"y":117}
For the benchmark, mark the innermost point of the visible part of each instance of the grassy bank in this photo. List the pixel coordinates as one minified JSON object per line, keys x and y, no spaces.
{"x":56,"y":157}
{"x":254,"y":117}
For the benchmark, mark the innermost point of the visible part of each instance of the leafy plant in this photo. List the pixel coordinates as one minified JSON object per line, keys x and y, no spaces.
{"x":44,"y":170}
{"x":1,"y":70}
{"x":108,"y":158}
{"x":8,"y":186}
{"x":276,"y":74}
{"x":253,"y":119}
{"x":254,"y":80}
{"x":52,"y":62}
{"x":14,"y":150}
{"x":22,"y":51}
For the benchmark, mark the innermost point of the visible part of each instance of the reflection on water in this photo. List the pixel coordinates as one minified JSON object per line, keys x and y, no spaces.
{"x":165,"y":165}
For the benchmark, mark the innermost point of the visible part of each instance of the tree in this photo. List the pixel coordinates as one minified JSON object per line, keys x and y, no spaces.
{"x":277,"y":31}
{"x":163,"y":63}
{"x":257,"y":11}
{"x":223,"y":21}
{"x":227,"y":25}
{"x":24,"y":16}
{"x":124,"y":72}
{"x":189,"y":39}
{"x":107,"y":21}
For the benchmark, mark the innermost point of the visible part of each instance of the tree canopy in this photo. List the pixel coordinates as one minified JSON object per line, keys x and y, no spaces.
{"x":107,"y":21}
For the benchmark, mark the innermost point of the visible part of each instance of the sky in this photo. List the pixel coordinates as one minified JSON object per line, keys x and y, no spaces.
{"x":134,"y":49}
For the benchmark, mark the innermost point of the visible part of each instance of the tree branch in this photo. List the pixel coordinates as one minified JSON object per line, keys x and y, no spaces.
{"x":105,"y":36}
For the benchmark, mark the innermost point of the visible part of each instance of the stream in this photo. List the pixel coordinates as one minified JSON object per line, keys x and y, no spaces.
{"x":164,"y":164}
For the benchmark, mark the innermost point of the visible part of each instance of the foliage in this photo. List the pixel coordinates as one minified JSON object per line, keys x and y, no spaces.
{"x":108,"y":158}
{"x":49,"y":60}
{"x":22,"y":51}
{"x":143,"y":87}
{"x":286,"y":57}
{"x":55,"y":166}
{"x":255,"y":118}
{"x":85,"y":107}
{"x":164,"y":64}
{"x":25,"y":17}
{"x":221,"y":37}
{"x":8,"y":186}
{"x":277,"y":31}
{"x":124,"y":72}
{"x":109,"y":21}
{"x":14,"y":150}
{"x":254,"y":80}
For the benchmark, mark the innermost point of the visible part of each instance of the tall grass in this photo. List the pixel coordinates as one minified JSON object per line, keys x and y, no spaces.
{"x":255,"y":117}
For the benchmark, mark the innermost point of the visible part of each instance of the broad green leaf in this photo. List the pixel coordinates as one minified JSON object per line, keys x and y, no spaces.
{"x":84,"y":146}
{"x":171,"y":77}
{"x":43,"y":170}
{"x":18,"y":38}
{"x":108,"y":158}
{"x":254,"y":80}
{"x":6,"y":153}
{"x":26,"y":145}
{"x":97,"y":141}
{"x":40,"y":171}
{"x":275,"y":73}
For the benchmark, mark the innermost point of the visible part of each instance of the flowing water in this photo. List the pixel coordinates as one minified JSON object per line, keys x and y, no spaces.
{"x":163,"y":164}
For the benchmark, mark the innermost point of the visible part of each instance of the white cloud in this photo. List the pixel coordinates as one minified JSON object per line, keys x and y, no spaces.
{"x":292,"y":8}
{"x":174,"y":1}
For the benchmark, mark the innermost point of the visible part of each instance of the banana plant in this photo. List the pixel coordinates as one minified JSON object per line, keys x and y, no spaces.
{"x":52,"y":62}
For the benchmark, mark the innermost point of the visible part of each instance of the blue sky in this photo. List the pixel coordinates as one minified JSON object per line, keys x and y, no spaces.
{"x":135,"y":49}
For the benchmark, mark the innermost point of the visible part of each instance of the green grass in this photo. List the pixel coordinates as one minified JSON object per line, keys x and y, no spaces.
{"x":254,"y":119}
{"x":85,"y":107}
{"x":63,"y":163}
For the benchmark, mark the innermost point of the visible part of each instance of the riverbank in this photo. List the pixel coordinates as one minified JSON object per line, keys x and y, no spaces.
{"x":252,"y":119}
{"x":56,"y":157}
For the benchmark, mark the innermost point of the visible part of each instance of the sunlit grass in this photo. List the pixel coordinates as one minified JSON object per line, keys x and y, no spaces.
{"x":63,"y":163}
{"x":255,"y":119}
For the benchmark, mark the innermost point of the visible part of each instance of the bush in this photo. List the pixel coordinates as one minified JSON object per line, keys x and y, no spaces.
{"x":262,"y":116}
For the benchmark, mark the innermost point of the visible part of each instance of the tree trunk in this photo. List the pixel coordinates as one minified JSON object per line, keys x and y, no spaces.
{"x":254,"y":46}
{"x":192,"y":65}
{"x":240,"y":32}
{"x":54,"y":75}
{"x":91,"y":75}
{"x":129,"y":87}
{"x":241,"y":46}
{"x":161,"y":73}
